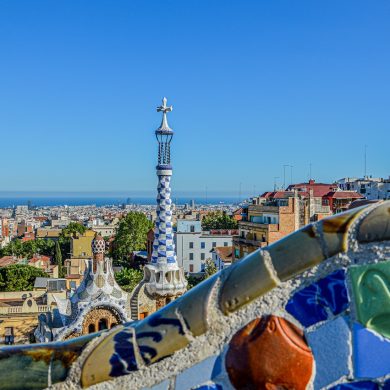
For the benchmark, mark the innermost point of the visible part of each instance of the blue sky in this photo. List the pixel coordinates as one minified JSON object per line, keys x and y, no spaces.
{"x":254,"y":85}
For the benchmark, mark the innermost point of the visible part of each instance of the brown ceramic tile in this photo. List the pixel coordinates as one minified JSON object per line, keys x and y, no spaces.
{"x":335,"y":230}
{"x":269,"y":353}
{"x":376,"y":225}
{"x":296,"y":253}
{"x":245,"y":281}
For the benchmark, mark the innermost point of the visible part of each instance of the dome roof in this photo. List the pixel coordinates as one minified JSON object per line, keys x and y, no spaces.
{"x":98,"y":244}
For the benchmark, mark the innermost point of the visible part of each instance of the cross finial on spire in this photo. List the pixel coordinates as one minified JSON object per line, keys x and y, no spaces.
{"x":164,"y":109}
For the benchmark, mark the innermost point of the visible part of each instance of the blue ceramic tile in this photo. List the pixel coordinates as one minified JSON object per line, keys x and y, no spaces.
{"x":211,"y":386}
{"x":196,"y":375}
{"x":386,"y":385}
{"x":330,"y":346}
{"x":312,"y":304}
{"x":371,"y":353}
{"x":366,"y":385}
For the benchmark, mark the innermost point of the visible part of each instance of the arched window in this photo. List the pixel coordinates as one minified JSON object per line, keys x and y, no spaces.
{"x":103,"y":324}
{"x":113,"y":325}
{"x":91,"y":328}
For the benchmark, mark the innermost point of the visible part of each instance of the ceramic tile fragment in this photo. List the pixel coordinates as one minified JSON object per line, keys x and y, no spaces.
{"x":331,"y":349}
{"x":365,"y":385}
{"x":209,"y":386}
{"x":160,"y":334}
{"x":195,"y":375}
{"x":30,"y":363}
{"x":194,"y":307}
{"x":371,"y":353}
{"x":296,"y":253}
{"x":312,"y":304}
{"x":371,"y":289}
{"x":114,"y":356}
{"x":335,"y":230}
{"x":269,"y":353}
{"x":376,"y":225}
{"x":386,"y":385}
{"x":245,"y":281}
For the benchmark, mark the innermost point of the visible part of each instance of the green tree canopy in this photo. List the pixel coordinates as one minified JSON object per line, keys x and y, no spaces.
{"x":29,"y":248}
{"x":218,"y":220}
{"x":131,"y":235}
{"x":73,"y":229}
{"x":19,"y":277}
{"x":128,"y":278}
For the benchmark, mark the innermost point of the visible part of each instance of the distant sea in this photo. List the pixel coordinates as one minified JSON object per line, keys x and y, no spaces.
{"x":70,"y":200}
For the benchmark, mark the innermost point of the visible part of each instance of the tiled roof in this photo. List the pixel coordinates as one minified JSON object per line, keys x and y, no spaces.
{"x":7,"y":260}
{"x":344,"y":195}
{"x":225,"y":253}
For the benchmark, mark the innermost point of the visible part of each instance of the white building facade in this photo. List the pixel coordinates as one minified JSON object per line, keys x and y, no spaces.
{"x":372,"y":188}
{"x":194,"y":247}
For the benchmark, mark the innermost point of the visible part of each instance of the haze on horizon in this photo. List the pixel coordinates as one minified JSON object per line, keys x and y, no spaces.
{"x":254,"y":85}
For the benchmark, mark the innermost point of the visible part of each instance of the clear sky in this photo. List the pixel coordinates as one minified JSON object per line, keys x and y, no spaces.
{"x":254,"y":84}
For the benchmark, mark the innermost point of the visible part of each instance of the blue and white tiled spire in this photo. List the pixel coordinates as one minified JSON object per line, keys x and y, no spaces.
{"x":163,"y":245}
{"x":163,"y":276}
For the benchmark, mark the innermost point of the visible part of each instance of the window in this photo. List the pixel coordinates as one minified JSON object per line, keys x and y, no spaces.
{"x":202,"y":256}
{"x":191,"y":268}
{"x":103,"y":324}
{"x":203,"y":244}
{"x":214,"y":244}
{"x":191,"y":245}
{"x":191,"y":256}
{"x":225,"y":244}
{"x":91,"y":328}
{"x":192,"y":228}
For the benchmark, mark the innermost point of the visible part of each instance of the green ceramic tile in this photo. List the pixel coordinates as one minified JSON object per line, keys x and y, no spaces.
{"x":371,"y":290}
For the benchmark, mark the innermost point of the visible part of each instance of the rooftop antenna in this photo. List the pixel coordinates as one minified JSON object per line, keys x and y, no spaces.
{"x":239,"y":194}
{"x":365,"y":160}
{"x":310,"y":171}
{"x":291,"y":174}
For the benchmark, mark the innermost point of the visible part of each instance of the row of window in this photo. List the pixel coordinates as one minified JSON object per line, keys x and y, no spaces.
{"x":203,"y":244}
{"x":202,"y":256}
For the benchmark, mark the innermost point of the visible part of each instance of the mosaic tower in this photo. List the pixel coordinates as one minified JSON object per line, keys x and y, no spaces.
{"x":166,"y":277}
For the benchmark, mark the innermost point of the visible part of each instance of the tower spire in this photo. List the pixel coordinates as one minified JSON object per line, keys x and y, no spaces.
{"x":163,"y":276}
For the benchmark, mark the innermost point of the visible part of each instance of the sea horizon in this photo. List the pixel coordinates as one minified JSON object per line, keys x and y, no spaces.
{"x":76,"y":198}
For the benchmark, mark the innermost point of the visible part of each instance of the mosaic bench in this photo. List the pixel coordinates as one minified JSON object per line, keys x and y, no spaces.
{"x":309,"y":311}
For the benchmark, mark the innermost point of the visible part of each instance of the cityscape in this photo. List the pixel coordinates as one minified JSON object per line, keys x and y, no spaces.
{"x":175,"y":250}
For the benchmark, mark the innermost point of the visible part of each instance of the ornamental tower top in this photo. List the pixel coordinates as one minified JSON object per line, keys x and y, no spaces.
{"x":164,"y":135}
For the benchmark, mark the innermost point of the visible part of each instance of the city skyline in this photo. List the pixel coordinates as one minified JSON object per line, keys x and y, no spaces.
{"x":254,"y":89}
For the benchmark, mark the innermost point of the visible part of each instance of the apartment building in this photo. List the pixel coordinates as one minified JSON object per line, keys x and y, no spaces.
{"x":194,"y":246}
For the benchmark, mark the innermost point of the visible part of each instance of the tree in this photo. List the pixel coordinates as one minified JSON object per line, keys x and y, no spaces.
{"x":128,"y":278}
{"x":19,"y":277}
{"x":29,"y":248}
{"x":210,"y":268}
{"x":58,"y":260}
{"x":131,"y":235}
{"x":218,"y":220}
{"x":73,"y":229}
